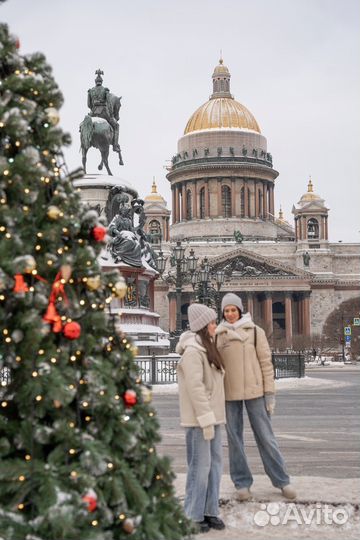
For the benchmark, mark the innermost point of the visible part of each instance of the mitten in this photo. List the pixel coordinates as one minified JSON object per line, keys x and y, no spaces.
{"x":270,"y":403}
{"x":209,"y":433}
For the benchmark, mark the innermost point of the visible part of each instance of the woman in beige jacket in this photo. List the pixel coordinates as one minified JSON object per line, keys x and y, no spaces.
{"x":202,"y":411}
{"x":249,"y":380}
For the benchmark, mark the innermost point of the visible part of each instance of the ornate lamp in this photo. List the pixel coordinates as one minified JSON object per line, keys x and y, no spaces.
{"x":179,"y":251}
{"x":161,"y":262}
{"x":192,"y":261}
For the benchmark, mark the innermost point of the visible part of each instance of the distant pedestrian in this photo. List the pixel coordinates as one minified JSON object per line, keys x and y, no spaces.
{"x":202,"y":411}
{"x":249,"y":380}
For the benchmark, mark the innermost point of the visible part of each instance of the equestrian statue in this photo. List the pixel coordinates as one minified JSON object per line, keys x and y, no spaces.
{"x":100,"y":127}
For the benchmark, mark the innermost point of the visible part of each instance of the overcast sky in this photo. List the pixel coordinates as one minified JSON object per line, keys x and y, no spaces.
{"x":295,"y":64}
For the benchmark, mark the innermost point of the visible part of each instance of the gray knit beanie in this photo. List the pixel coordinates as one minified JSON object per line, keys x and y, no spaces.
{"x":231,"y":299}
{"x":200,"y":316}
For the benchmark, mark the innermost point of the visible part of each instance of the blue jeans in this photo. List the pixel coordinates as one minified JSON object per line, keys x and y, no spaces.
{"x":271,"y":457}
{"x":204,"y":459}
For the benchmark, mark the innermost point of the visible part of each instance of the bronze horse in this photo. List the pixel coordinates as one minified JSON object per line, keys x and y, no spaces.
{"x":99,"y":134}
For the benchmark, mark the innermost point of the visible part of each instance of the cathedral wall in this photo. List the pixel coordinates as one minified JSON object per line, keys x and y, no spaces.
{"x":323,"y":302}
{"x":161,"y":305}
{"x":225,"y":139}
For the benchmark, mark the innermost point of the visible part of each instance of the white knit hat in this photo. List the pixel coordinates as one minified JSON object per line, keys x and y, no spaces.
{"x":200,"y":316}
{"x":231,"y":299}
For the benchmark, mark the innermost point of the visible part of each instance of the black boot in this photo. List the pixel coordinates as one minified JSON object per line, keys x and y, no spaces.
{"x":203,"y":526}
{"x":215,"y":522}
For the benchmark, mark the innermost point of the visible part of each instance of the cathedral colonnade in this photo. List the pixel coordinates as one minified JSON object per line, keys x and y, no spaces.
{"x":222,"y":198}
{"x":282,"y":314}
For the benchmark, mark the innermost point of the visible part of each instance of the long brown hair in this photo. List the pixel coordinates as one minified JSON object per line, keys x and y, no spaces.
{"x":212,"y":353}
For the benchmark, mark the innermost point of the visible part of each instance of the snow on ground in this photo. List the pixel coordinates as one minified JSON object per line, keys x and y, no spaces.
{"x":284,"y":520}
{"x":281,"y":384}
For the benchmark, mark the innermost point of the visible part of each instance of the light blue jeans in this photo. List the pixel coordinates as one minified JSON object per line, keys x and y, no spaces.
{"x":268,"y":447}
{"x":204,"y":459}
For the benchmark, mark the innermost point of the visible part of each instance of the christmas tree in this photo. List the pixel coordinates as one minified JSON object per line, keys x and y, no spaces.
{"x":77,"y":431}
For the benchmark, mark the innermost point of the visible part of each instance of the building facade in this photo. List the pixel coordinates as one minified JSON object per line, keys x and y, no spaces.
{"x":222,"y":180}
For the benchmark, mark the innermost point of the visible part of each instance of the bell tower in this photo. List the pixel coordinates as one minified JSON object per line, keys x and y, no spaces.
{"x":311,"y":219}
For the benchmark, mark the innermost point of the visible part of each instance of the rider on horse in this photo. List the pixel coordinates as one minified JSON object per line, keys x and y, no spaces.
{"x":99,"y":106}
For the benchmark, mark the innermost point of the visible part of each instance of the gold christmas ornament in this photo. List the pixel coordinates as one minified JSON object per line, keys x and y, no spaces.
{"x":66,"y":271}
{"x":53,"y":212}
{"x":93,"y":283}
{"x":128,"y":525}
{"x":52,"y":115}
{"x":57,"y":404}
{"x":120,"y":288}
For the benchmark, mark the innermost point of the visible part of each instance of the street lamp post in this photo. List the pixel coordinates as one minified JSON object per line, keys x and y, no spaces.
{"x":185,"y":268}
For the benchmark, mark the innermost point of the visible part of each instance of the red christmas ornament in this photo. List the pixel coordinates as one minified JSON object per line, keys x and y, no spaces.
{"x":52,"y":317}
{"x":17,"y":42}
{"x":90,"y":499}
{"x":20,"y":285}
{"x":72,"y":330}
{"x":130,"y":398}
{"x":99,"y":233}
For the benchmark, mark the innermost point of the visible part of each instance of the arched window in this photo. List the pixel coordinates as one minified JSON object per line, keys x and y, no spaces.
{"x":188,"y":204}
{"x":226,"y":201}
{"x":242,"y":202}
{"x":155,"y":232}
{"x":202,"y":203}
{"x":313,"y":228}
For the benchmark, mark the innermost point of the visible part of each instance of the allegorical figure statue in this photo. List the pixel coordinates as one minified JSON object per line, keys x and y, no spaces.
{"x":100,"y":128}
{"x":306,"y":258}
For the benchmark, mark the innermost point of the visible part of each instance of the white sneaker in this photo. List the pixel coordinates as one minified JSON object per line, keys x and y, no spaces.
{"x":243,"y":494}
{"x":288,"y":492}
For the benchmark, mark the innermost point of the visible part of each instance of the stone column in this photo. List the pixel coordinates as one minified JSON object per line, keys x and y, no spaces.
{"x":195,"y":202}
{"x":252,"y":199}
{"x":256,"y":200}
{"x":268,"y":314}
{"x":299,"y":314}
{"x":206,"y":199}
{"x":288,"y":319}
{"x":306,"y":313}
{"x":246,"y":200}
{"x":177,"y":204}
{"x":237,"y":197}
{"x":272,"y":201}
{"x":219,"y":206}
{"x":265,"y":206}
{"x":326,"y":228}
{"x":173,"y":189}
{"x":183,"y":202}
{"x":233,"y":198}
{"x":250,"y":301}
{"x":172,"y":312}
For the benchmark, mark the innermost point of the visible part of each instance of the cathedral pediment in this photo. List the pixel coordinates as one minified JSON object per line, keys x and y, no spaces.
{"x":242,"y":263}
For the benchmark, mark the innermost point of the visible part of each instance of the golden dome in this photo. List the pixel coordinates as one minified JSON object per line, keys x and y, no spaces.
{"x":222,"y":112}
{"x":310,"y":195}
{"x":221,"y":69}
{"x":154,"y":195}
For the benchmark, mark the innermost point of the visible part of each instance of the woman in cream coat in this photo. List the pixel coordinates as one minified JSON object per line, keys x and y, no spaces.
{"x":202,"y":411}
{"x":249,"y":380}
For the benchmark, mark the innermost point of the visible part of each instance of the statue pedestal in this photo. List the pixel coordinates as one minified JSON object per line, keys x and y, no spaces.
{"x":136,"y":310}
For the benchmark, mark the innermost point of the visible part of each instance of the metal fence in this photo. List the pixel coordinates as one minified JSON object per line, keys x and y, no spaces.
{"x":162,"y":369}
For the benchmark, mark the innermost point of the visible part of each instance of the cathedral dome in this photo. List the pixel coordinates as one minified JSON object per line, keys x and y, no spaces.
{"x":154,"y":195}
{"x":222,"y":113}
{"x":309,"y":196}
{"x":222,"y":110}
